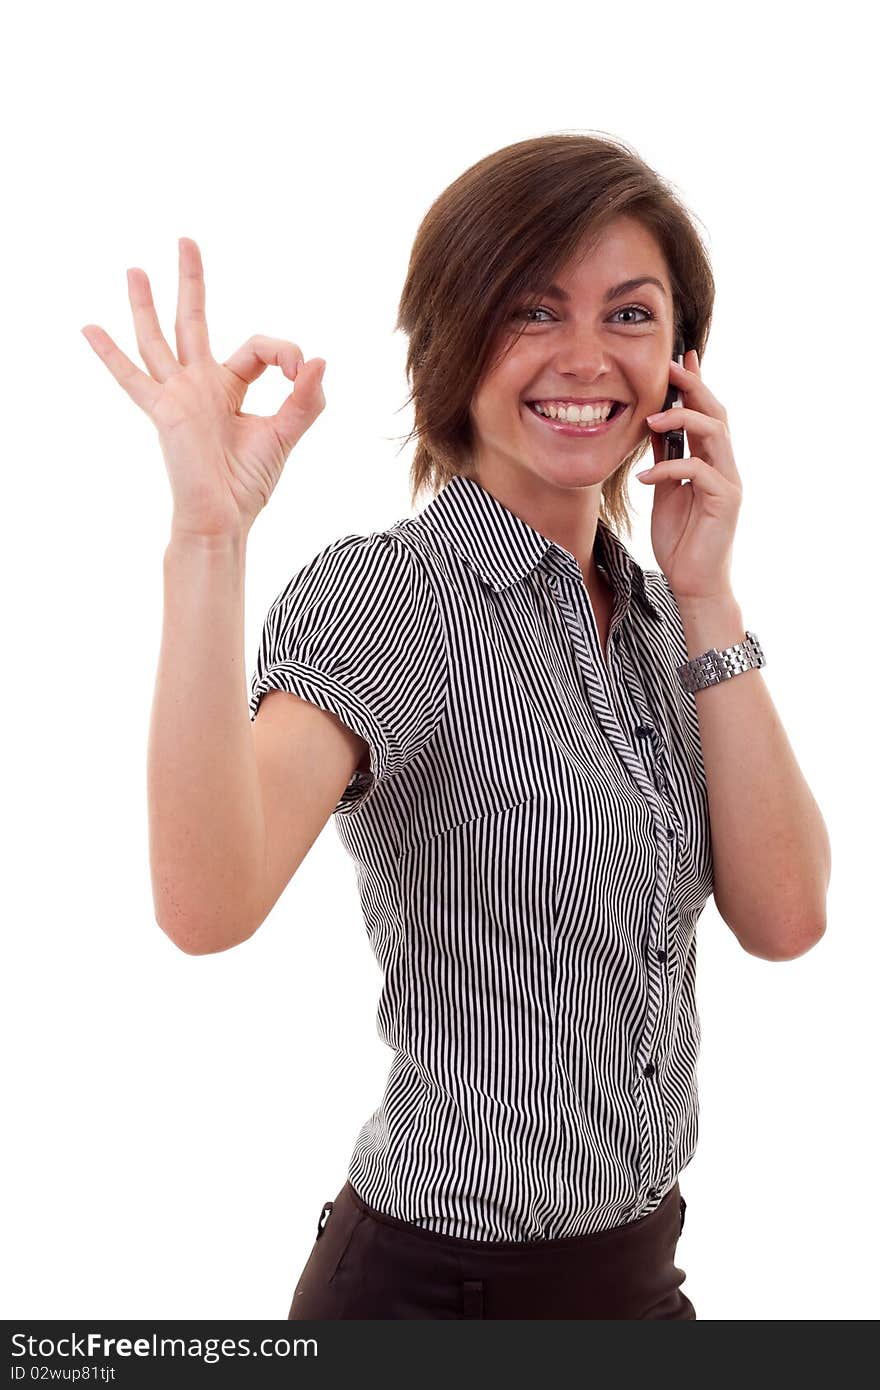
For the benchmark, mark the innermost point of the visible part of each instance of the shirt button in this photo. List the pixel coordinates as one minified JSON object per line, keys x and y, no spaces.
{"x":670,"y":833}
{"x":650,"y":1069}
{"x":661,"y":955}
{"x":653,"y":1194}
{"x":644,"y":730}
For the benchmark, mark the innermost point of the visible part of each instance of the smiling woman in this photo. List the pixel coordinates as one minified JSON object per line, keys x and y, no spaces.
{"x":564,"y":401}
{"x":531,"y":828}
{"x":494,"y":245}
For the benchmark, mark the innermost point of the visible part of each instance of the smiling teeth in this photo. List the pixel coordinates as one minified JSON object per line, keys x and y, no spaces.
{"x":574,"y":414}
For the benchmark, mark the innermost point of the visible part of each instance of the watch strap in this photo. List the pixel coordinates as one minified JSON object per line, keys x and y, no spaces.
{"x":714,"y":666}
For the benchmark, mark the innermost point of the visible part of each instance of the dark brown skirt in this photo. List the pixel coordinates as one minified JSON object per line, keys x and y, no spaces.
{"x":365,"y":1264}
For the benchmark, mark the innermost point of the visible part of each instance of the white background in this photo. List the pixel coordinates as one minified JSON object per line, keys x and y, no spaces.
{"x":175,"y":1123}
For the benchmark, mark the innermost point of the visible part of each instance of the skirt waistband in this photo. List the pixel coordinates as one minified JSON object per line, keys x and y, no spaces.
{"x":672,"y":1201}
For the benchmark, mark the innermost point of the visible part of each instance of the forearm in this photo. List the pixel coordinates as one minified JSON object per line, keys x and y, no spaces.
{"x":770,"y":846}
{"x":205,"y":807}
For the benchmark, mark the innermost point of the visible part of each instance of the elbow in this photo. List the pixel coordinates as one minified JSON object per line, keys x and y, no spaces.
{"x":193,"y":942}
{"x":785,"y":945}
{"x":803,"y":943}
{"x":186,"y":941}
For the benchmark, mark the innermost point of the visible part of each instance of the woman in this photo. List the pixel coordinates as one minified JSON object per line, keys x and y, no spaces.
{"x":514,"y":728}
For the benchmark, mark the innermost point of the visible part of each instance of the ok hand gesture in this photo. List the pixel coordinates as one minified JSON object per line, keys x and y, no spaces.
{"x":223,"y":465}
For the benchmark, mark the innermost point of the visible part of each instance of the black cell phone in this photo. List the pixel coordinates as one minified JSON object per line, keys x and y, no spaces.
{"x":673,"y":440}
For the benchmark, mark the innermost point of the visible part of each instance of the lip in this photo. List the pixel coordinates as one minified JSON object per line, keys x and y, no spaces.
{"x":579,"y":431}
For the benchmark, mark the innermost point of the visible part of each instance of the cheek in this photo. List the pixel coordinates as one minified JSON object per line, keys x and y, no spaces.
{"x":496,"y":407}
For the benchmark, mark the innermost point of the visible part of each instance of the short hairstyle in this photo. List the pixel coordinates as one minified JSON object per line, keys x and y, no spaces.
{"x":501,"y":230}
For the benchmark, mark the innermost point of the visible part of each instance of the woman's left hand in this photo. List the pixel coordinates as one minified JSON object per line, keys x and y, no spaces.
{"x":692,"y":525}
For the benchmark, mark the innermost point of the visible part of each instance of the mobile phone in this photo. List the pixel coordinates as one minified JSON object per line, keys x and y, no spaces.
{"x":673,"y":440}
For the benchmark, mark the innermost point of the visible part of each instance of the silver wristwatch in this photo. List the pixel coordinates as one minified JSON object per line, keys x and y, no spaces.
{"x":714,"y":666}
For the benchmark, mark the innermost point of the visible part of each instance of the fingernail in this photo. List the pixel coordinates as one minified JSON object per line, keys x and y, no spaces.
{"x":655,"y":416}
{"x":644,"y":471}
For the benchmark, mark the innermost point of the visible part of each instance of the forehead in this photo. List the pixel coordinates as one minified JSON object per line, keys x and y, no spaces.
{"x":624,"y":249}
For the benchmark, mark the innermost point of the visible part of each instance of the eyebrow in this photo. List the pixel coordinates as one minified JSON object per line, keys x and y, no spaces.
{"x":555,"y":292}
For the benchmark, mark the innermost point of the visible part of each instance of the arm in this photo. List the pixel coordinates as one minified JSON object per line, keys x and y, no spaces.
{"x":218,"y":845}
{"x":207,"y":837}
{"x":770,"y":846}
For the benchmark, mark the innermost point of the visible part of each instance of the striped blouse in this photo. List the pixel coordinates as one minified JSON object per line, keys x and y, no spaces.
{"x":532,"y":849}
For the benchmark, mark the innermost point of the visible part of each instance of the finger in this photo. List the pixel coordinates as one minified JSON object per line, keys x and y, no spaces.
{"x":694,"y":389}
{"x":150,"y":339}
{"x":190,"y":326}
{"x":692,"y":469}
{"x":142,"y":388}
{"x":657,"y":446}
{"x":304,"y":405}
{"x":260,"y":352}
{"x":694,"y":421}
{"x":708,"y":433}
{"x":691,"y":363}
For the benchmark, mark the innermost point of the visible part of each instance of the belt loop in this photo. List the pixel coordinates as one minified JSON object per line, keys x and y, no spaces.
{"x":472,"y":1298}
{"x":683,"y":1205}
{"x":324,"y":1217}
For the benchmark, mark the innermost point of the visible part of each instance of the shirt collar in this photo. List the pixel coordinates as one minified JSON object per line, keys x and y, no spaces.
{"x":502,"y":548}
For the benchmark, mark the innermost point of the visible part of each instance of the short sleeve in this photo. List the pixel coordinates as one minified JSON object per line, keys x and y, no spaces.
{"x":358,"y":632}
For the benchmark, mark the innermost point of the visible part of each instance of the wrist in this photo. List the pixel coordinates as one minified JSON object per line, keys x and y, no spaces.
{"x":711,"y":622}
{"x":195,"y":542}
{"x":705,"y":602}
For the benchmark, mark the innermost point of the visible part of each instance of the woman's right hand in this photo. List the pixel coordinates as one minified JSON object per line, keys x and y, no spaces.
{"x":222,"y":465}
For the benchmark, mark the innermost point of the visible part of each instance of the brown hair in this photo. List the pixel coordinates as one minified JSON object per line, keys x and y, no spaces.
{"x":503,"y":228}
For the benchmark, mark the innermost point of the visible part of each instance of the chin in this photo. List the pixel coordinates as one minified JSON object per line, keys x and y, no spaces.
{"x":575,"y":474}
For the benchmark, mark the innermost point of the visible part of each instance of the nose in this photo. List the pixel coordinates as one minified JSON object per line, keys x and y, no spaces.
{"x":581,"y":353}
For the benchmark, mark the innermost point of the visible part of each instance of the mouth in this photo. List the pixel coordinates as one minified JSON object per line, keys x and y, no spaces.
{"x":570,"y":428}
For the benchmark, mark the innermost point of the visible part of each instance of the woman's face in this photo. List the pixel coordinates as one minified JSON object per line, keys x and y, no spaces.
{"x":594,"y":344}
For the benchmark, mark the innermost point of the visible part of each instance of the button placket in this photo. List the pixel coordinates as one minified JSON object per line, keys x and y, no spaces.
{"x":597,"y":683}
{"x":606,"y":661}
{"x":648,"y":736}
{"x":601,"y":684}
{"x":661,"y":779}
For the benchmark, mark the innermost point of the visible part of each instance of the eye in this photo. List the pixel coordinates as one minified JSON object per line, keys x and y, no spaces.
{"x":628,"y":309}
{"x":523,"y":313}
{"x":639,"y":308}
